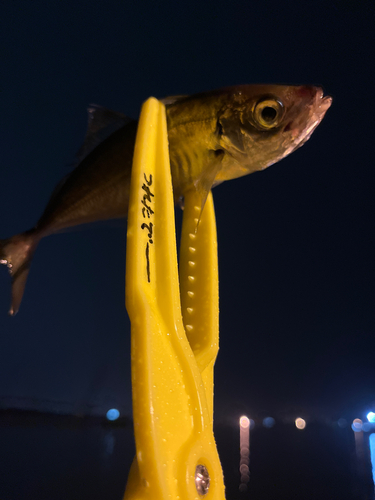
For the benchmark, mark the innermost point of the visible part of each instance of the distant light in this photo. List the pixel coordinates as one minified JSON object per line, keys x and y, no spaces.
{"x":357,"y":425}
{"x":269,"y":422}
{"x":366,"y":427}
{"x":300,"y":423}
{"x":371,"y":417}
{"x":342,"y":423}
{"x":113,"y":414}
{"x":244,"y":422}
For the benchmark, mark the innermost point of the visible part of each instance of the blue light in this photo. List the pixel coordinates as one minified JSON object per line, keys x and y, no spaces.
{"x":371,"y":417}
{"x":357,"y":425}
{"x":113,"y":414}
{"x":372,"y":454}
{"x":342,"y":423}
{"x":269,"y":422}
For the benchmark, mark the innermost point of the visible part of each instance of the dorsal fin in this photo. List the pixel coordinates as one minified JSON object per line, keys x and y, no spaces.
{"x":172,"y":99}
{"x":102,"y":122}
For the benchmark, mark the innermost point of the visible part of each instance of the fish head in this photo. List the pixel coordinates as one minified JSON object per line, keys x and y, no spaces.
{"x":261,"y":124}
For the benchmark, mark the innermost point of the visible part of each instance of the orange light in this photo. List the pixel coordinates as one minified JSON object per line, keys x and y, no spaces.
{"x":300,"y":423}
{"x":244,"y":422}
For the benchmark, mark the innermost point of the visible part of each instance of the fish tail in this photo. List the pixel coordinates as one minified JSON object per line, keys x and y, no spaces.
{"x":16,"y":253}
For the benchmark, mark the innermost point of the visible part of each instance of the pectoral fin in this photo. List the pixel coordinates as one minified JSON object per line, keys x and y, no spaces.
{"x":206,"y":180}
{"x":171,"y":99}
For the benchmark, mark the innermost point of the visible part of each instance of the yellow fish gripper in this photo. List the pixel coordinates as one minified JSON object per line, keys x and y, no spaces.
{"x":174,"y":328}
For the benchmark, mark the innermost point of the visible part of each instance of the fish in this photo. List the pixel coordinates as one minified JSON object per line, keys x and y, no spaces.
{"x":213,"y":137}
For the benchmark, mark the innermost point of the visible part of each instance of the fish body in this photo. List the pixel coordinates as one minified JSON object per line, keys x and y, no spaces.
{"x":213,"y":137}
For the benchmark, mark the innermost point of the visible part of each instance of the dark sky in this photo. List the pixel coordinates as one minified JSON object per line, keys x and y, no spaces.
{"x":296,"y":242}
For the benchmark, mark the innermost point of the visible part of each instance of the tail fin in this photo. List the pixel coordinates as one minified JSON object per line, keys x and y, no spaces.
{"x":16,"y":253}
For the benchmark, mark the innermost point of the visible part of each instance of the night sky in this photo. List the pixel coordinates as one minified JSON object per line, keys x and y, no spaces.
{"x":296,"y":242}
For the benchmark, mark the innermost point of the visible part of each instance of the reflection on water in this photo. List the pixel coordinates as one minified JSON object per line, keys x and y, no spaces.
{"x":244,"y":452}
{"x":363,"y":456}
{"x":109,"y":444}
{"x":325,"y":461}
{"x":64,"y":458}
{"x":372,"y":454}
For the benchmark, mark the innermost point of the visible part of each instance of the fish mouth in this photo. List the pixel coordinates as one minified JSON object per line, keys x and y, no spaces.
{"x":322,"y":102}
{"x":315,"y":111}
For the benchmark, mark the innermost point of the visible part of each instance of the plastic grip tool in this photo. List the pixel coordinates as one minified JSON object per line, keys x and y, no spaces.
{"x":174,"y":328}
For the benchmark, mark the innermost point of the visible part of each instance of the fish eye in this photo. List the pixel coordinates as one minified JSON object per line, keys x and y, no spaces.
{"x":268,"y":113}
